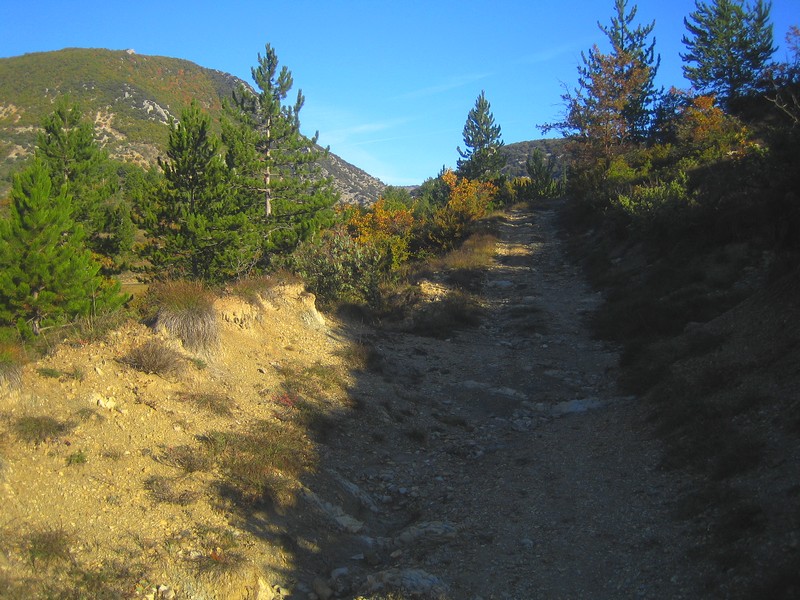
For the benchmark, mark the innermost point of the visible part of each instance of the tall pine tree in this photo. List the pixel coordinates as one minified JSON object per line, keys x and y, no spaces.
{"x":274,"y":167}
{"x":481,"y":158}
{"x":728,"y":47}
{"x":198,"y":230}
{"x":633,"y":43}
{"x":47,"y":276}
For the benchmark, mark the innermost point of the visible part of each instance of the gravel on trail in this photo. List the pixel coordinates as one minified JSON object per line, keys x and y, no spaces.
{"x":502,"y":463}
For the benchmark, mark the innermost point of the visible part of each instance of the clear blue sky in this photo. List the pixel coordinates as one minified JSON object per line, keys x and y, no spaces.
{"x":388,"y":83}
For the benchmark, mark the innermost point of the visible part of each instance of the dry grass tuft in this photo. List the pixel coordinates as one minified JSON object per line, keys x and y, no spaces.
{"x":186,"y":311}
{"x":218,"y":404}
{"x":154,"y":357}
{"x":220,"y":547}
{"x":477,"y":252}
{"x":253,"y":289}
{"x":48,"y":545}
{"x":361,"y":357}
{"x":186,"y":457}
{"x":163,"y":489}
{"x":39,"y":429}
{"x":313,"y":380}
{"x":11,"y":361}
{"x":440,"y":319}
{"x":261,"y":462}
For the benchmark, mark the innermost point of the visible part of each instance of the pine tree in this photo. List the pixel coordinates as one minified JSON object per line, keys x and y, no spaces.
{"x":632,"y":42}
{"x":728,"y":47}
{"x":481,"y":158}
{"x":595,"y":118}
{"x":67,"y":147}
{"x":47,"y":276}
{"x":198,"y":229}
{"x":613,"y":105}
{"x":275,"y":167}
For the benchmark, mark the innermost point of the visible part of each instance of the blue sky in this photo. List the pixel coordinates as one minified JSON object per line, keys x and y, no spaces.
{"x":388,"y":84}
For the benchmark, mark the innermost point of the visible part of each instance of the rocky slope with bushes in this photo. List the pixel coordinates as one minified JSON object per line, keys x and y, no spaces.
{"x":483,"y":443}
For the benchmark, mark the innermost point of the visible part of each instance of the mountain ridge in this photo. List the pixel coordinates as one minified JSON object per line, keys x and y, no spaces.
{"x":130,"y":98}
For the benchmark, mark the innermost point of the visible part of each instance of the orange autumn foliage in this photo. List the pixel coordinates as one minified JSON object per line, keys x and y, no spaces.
{"x":708,"y":131}
{"x":469,"y":201}
{"x":386,"y":228}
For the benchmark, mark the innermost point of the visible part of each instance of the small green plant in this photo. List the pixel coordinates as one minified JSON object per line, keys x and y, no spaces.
{"x":77,"y":458}
{"x":76,"y":373}
{"x":39,"y":429}
{"x":215,"y":443}
{"x":49,"y":372}
{"x":186,"y":310}
{"x":48,"y":545}
{"x":154,"y":357}
{"x":198,"y":363}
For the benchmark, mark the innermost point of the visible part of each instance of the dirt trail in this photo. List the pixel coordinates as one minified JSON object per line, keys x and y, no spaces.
{"x":502,"y":463}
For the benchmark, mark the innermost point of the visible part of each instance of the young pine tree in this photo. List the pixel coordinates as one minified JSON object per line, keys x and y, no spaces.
{"x":66,"y":146}
{"x":47,"y":276}
{"x":728,"y":47}
{"x":275,"y":168}
{"x":481,"y":159}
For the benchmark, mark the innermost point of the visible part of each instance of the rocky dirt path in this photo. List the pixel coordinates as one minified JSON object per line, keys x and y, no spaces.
{"x":502,"y":462}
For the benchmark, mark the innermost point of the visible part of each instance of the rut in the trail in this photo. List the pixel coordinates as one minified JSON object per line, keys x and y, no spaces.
{"x":502,"y":463}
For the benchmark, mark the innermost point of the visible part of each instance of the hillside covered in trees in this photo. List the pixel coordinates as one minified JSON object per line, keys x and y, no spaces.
{"x":681,"y":206}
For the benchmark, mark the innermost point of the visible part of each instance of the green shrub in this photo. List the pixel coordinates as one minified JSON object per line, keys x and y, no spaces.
{"x":77,"y":458}
{"x":337,"y":268}
{"x":662,"y":203}
{"x":541,"y":181}
{"x":186,"y":310}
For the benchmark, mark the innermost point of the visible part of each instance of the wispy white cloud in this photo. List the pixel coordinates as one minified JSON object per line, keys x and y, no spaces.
{"x":350,"y":133}
{"x":548,"y":54}
{"x":450,"y":83}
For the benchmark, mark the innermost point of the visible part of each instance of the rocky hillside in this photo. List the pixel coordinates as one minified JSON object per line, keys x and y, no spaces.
{"x":130,"y":97}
